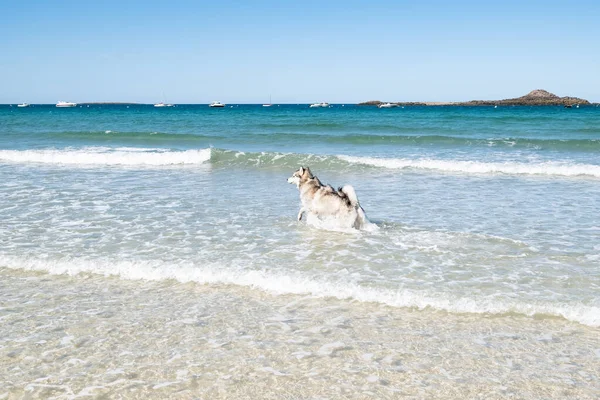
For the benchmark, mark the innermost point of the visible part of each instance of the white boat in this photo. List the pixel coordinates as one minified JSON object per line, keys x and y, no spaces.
{"x":318,"y":105}
{"x":216,"y":104}
{"x":387,"y":105}
{"x":65,"y":104}
{"x":268,"y":105}
{"x":23,"y":105}
{"x":324,"y":104}
{"x":161,"y":104}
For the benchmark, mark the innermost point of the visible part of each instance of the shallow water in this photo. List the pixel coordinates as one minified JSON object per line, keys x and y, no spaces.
{"x":64,"y":337}
{"x":486,"y":222}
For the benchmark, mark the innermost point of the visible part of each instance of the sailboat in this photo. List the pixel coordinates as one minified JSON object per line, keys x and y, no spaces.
{"x":163,"y":104}
{"x":268,"y":105}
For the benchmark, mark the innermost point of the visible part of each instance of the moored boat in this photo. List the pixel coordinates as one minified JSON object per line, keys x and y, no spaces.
{"x":270,"y":103}
{"x":66,"y":104}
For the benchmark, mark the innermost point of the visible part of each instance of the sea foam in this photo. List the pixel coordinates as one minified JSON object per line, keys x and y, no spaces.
{"x":478,"y":167}
{"x":132,"y":156}
{"x":107,"y":156}
{"x":339,"y":223}
{"x":296,"y":283}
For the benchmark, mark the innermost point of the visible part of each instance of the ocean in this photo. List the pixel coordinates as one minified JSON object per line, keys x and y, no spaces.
{"x":155,"y":253}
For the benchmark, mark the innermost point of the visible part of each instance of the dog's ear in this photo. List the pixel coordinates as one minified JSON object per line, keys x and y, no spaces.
{"x":307,"y":172}
{"x":301,"y":171}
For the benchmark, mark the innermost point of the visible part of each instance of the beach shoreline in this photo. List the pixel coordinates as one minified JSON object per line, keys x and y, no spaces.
{"x":88,"y":334}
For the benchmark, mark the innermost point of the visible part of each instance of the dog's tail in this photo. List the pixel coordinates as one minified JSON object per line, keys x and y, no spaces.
{"x":351,"y":194}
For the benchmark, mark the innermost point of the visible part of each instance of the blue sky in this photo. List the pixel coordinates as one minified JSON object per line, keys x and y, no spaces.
{"x":301,"y":51}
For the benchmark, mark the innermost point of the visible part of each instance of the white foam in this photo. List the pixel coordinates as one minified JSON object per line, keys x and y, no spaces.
{"x":107,"y":156}
{"x":477,"y":167}
{"x":338,"y":223}
{"x":277,"y":283}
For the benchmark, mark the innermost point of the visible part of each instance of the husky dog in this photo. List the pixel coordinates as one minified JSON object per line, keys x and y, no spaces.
{"x":324,"y":201}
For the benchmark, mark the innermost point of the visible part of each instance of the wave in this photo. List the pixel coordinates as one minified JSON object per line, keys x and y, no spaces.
{"x":284,"y":284}
{"x":478,"y":167}
{"x":128,"y":156}
{"x":368,"y":135}
{"x":462,"y":141}
{"x":142,"y":136}
{"x":292,"y":160}
{"x":132,"y":156}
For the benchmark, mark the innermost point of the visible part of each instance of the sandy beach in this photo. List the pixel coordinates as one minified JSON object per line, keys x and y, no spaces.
{"x":69,"y":337}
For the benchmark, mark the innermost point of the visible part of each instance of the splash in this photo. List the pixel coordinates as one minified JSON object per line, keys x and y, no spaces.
{"x":339,"y":223}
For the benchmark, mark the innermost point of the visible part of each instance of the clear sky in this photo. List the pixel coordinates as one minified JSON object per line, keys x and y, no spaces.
{"x":296,"y":51}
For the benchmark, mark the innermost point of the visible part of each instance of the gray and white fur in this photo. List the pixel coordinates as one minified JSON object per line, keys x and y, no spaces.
{"x":324,"y":201}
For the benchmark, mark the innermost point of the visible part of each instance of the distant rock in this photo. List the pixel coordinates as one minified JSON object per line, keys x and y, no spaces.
{"x":538,"y":97}
{"x":371,"y":103}
{"x":541,"y":94}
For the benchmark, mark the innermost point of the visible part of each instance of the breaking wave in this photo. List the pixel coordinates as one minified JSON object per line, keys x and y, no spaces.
{"x":292,"y":160}
{"x":133,"y":156}
{"x":478,"y":167}
{"x":107,"y":156}
{"x":277,"y":283}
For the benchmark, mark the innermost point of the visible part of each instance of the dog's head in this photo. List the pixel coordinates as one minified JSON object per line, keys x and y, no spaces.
{"x":301,"y":175}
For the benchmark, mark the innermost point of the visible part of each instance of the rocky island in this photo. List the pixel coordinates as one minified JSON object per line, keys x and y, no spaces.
{"x":538,"y":97}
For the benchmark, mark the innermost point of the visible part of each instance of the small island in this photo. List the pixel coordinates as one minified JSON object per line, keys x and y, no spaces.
{"x":538,"y":97}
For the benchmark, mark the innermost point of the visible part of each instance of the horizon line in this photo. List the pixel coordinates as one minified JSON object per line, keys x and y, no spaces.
{"x":109,"y":103}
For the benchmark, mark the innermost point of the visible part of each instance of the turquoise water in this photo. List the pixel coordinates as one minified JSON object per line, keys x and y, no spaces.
{"x":479,"y":212}
{"x":540,"y":130}
{"x":518,"y":185}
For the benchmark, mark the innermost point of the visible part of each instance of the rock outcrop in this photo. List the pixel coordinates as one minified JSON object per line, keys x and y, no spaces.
{"x":371,"y":103}
{"x":538,"y":97}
